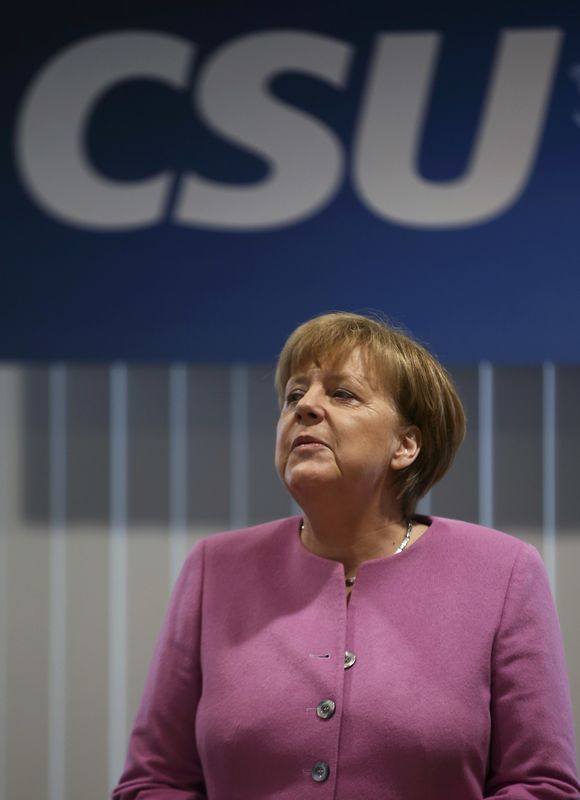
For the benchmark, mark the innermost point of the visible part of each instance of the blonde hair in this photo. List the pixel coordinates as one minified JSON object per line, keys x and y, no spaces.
{"x":420,"y":387}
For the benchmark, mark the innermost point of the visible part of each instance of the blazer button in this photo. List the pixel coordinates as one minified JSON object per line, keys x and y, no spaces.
{"x":325,"y":709}
{"x":320,"y":771}
{"x":349,"y":659}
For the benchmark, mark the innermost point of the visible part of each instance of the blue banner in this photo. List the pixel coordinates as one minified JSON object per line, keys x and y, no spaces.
{"x":192,"y":183}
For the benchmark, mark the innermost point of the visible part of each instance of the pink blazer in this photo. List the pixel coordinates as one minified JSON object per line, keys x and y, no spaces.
{"x":454,"y":686}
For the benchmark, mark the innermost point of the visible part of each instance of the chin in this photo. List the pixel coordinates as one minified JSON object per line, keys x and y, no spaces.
{"x":301,"y":481}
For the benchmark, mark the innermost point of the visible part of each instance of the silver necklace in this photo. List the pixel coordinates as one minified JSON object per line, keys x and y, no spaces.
{"x":350,"y":582}
{"x":406,"y":537}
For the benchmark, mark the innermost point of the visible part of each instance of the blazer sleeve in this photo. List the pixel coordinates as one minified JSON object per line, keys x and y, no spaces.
{"x":162,"y":761}
{"x":532,"y":751}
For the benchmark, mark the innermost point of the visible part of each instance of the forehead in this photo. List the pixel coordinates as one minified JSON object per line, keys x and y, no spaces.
{"x":355,"y":363}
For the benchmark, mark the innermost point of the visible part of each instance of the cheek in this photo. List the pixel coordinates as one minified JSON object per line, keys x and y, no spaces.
{"x":279,"y":448}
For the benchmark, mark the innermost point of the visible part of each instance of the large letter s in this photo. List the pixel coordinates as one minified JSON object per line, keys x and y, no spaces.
{"x":305,"y":157}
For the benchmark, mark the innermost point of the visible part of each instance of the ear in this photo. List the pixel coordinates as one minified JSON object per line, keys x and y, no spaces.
{"x":408,"y":448}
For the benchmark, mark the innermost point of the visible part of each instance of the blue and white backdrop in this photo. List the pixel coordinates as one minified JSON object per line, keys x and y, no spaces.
{"x":181,"y":187}
{"x":191,"y":183}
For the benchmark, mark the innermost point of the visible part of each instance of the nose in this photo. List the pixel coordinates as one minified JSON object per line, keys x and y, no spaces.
{"x":309,"y":410}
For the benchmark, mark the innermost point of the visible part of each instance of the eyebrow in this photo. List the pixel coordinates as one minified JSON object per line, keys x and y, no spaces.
{"x":332,"y":376}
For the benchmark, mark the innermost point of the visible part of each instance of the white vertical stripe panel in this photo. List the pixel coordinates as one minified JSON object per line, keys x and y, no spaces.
{"x":4,"y":468}
{"x":549,"y":471}
{"x":58,"y":593}
{"x":118,"y":574}
{"x":486,"y":443}
{"x":177,"y":468}
{"x":239,"y":462}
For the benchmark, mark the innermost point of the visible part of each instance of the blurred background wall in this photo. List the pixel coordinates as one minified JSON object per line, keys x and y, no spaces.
{"x":181,"y":189}
{"x":109,"y":474}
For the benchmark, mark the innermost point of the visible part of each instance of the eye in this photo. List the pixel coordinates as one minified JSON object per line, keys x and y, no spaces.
{"x":343,"y":394}
{"x":293,"y":397}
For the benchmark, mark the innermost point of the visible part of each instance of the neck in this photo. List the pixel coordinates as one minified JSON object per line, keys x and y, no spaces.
{"x":352,"y":535}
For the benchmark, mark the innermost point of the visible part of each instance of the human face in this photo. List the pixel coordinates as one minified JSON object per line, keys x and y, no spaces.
{"x":337,"y":426}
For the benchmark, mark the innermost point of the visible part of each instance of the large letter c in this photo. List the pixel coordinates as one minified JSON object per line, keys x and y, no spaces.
{"x":54,"y":115}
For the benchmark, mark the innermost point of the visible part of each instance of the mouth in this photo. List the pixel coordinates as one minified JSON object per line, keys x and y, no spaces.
{"x":306,"y":442}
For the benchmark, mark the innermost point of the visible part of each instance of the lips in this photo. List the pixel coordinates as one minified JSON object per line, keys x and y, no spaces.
{"x":304,"y":440}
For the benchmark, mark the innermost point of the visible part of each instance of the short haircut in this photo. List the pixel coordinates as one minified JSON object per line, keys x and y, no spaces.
{"x":420,"y":387}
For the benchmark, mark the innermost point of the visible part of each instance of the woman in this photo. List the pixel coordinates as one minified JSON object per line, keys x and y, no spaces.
{"x":359,"y":651}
